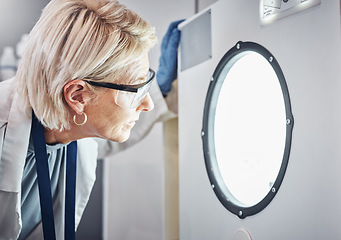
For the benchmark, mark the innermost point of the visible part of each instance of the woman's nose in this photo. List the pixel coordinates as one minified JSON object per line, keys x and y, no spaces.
{"x":147,"y":104}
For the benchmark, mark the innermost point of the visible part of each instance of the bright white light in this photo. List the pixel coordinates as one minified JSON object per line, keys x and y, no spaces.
{"x":250,"y":129}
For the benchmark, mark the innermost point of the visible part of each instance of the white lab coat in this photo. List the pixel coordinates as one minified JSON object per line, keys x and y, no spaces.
{"x":15,"y":129}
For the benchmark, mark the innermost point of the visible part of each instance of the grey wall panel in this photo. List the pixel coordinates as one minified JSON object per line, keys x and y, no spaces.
{"x":196,"y":41}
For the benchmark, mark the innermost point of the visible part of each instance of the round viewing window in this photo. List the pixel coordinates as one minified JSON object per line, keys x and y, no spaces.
{"x":247,"y":127}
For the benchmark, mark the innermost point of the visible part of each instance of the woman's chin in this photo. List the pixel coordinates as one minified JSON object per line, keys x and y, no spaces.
{"x":123,"y":136}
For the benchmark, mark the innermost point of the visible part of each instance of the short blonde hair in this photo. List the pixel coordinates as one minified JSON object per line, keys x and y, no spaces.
{"x":79,"y":39}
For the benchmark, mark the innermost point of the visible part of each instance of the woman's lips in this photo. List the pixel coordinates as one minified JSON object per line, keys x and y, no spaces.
{"x":131,"y":124}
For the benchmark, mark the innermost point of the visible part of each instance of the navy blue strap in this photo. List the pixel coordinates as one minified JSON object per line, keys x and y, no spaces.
{"x":70,"y":195}
{"x":44,"y":184}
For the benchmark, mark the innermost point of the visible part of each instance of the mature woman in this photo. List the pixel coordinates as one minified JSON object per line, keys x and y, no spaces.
{"x":85,"y":73}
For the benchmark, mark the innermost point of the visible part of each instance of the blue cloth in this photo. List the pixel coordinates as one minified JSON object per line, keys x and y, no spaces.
{"x":45,"y":187}
{"x":70,"y":194}
{"x":30,"y":205}
{"x":168,"y":61}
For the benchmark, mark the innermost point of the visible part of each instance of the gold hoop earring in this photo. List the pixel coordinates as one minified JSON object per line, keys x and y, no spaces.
{"x":85,"y":119}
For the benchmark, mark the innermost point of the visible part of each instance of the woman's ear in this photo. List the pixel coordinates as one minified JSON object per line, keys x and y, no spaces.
{"x":77,"y":95}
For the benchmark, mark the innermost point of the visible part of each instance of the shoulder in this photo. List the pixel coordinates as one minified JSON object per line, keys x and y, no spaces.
{"x":7,"y":93}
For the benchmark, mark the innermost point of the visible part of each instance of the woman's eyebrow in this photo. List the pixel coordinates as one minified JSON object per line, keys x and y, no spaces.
{"x":141,"y":78}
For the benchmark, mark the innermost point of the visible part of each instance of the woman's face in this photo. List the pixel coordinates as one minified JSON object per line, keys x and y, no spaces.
{"x":108,"y":120}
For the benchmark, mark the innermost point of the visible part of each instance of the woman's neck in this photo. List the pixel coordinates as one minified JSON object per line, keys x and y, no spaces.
{"x":55,"y":136}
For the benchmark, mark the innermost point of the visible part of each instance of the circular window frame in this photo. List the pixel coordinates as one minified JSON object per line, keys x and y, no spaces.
{"x":212,"y":168}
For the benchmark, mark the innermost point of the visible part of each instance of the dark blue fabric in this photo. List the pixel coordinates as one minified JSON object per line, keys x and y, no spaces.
{"x":30,"y":204}
{"x":168,"y":61}
{"x":43,"y":179}
{"x":70,"y":195}
{"x":44,"y":184}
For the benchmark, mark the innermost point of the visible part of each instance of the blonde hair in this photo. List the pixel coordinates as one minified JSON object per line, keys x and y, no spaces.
{"x":79,"y":39}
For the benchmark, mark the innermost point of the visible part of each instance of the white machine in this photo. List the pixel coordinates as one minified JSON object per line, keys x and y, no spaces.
{"x":246,"y":171}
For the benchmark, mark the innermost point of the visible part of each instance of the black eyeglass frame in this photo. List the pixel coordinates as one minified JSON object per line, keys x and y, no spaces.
{"x":122,"y":87}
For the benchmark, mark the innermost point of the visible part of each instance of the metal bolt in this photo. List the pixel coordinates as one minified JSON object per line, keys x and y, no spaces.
{"x":288,"y":121}
{"x":271,"y":59}
{"x":212,"y":79}
{"x":240,"y":213}
{"x":273,"y":189}
{"x":238,"y":46}
{"x":213,"y":186}
{"x":202,"y":133}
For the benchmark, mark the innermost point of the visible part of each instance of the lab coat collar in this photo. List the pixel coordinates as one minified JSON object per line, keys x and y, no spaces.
{"x":15,"y":144}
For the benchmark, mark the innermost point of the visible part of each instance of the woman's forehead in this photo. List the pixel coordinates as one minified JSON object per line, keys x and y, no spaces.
{"x":141,"y":71}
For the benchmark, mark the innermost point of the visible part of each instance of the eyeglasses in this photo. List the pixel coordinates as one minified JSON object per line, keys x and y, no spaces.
{"x":128,"y":96}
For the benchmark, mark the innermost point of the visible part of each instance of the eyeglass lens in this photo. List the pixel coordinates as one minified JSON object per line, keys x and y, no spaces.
{"x":130,"y":99}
